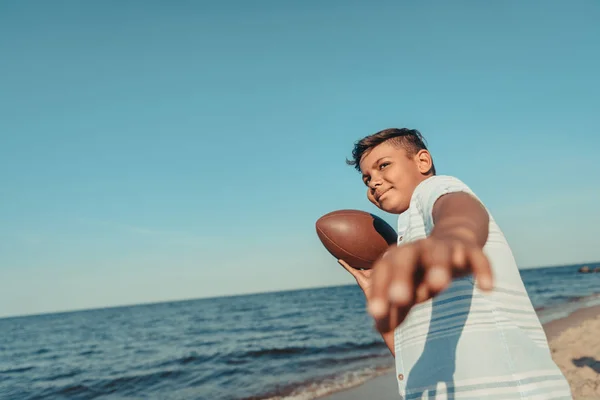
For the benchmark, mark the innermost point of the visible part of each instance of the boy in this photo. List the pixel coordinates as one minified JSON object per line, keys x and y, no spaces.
{"x":448,"y":301}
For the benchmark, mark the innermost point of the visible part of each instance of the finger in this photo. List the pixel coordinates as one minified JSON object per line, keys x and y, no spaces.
{"x":348,"y":268}
{"x":394,"y":318}
{"x":422,"y":293}
{"x":436,"y":259}
{"x":401,"y":316}
{"x":459,"y":260}
{"x":345,"y":265}
{"x":378,"y":305}
{"x":481,"y":268}
{"x":403,"y":276}
{"x":384,"y":324}
{"x":391,"y":320}
{"x":359,"y":276}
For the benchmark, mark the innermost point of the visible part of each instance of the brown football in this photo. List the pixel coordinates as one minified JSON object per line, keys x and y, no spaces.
{"x":355,"y":236}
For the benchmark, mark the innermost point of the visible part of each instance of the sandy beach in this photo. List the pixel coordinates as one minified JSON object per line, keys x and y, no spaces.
{"x":575,"y":346}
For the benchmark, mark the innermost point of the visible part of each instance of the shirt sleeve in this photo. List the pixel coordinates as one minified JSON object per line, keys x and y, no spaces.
{"x":430,"y":190}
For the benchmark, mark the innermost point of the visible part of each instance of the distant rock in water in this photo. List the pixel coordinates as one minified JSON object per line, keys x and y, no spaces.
{"x":586,"y":269}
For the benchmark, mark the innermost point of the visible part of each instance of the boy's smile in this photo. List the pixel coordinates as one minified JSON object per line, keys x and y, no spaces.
{"x":391,"y":175}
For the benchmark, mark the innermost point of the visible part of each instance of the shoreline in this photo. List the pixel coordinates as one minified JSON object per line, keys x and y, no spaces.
{"x":556,"y":327}
{"x":561,"y":333}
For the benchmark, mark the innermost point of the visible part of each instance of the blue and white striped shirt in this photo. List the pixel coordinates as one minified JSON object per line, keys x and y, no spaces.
{"x":467,"y":344}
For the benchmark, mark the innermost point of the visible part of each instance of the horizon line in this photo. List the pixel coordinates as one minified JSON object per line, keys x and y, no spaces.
{"x":181,"y":300}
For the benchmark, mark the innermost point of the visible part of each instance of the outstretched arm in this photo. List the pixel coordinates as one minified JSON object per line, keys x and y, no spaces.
{"x":418,"y":271}
{"x":460,"y":216}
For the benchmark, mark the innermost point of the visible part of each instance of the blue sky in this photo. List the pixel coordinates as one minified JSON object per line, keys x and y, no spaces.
{"x":152,"y":151}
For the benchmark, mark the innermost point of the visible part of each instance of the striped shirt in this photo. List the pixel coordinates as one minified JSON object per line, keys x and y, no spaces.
{"x":468,"y":344}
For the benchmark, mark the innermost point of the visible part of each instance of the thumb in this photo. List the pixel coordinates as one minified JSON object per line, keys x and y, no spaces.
{"x":357,"y":274}
{"x":348,"y":268}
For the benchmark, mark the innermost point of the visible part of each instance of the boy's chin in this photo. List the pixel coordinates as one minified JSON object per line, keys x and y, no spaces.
{"x":392,"y":207}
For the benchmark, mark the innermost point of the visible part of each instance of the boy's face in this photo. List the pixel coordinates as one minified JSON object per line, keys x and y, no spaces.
{"x":392,"y":176}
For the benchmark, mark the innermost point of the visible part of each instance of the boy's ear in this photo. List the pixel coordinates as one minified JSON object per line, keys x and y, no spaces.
{"x":424,"y":161}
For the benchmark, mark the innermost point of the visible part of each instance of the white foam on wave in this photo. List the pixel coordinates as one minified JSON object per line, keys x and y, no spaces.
{"x":563,"y":310}
{"x":335,"y":384}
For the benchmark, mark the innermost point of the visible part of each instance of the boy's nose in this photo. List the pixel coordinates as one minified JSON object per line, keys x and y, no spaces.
{"x":374,"y":182}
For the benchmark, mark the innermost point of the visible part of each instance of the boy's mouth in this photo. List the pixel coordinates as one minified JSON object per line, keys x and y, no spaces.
{"x":379,"y":195}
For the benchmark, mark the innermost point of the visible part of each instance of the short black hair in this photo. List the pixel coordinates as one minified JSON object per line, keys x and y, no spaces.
{"x":410,"y":139}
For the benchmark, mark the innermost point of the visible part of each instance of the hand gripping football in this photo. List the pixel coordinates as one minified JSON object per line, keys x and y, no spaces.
{"x":355,"y":236}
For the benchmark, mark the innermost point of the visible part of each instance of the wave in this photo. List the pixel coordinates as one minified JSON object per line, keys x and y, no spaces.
{"x":557,"y":301}
{"x":298,"y":350}
{"x":90,"y":352}
{"x":333,"y":361}
{"x":16,"y":370}
{"x":556,"y":311}
{"x":121,"y":384}
{"x":191,"y":358}
{"x":314,"y":389}
{"x":66,"y":375}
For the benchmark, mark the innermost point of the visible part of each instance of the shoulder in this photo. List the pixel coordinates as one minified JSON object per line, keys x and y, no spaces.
{"x":430,"y":190}
{"x":435,"y":186}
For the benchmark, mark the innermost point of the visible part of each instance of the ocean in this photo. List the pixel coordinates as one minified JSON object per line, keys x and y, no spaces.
{"x":298,"y":344}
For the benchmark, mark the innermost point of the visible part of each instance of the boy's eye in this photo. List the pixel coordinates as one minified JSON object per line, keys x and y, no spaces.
{"x":382,"y":165}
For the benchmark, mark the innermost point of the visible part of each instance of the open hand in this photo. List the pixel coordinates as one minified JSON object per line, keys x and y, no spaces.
{"x":417,"y":271}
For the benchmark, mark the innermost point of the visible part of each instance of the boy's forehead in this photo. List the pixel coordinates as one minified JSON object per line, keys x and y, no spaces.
{"x":384,"y":149}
